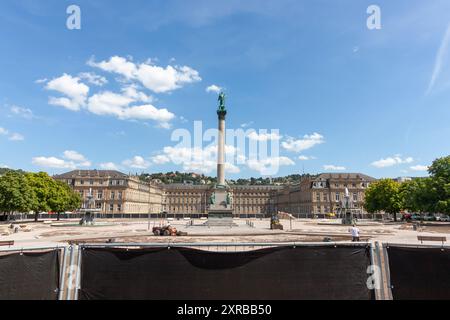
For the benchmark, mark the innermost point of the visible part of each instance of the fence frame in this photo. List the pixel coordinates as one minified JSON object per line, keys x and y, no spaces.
{"x":71,"y":262}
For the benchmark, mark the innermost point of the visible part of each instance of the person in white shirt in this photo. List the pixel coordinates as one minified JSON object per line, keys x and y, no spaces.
{"x":355,"y":233}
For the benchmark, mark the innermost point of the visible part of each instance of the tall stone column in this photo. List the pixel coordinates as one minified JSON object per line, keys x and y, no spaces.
{"x":221,"y":113}
{"x":221,"y":150}
{"x":220,"y":211}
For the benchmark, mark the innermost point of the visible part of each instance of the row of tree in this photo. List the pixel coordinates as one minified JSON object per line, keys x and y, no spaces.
{"x":194,"y":178}
{"x":35,"y":192}
{"x":422,"y":195}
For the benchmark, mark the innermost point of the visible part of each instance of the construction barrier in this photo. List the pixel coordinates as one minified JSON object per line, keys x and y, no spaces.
{"x":30,"y":275}
{"x":419,"y":272}
{"x":228,"y":271}
{"x":177,"y":273}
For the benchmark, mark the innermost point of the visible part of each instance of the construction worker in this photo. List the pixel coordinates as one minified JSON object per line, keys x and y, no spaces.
{"x":355,"y":233}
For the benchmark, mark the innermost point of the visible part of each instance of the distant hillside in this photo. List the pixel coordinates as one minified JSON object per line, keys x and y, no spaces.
{"x":5,"y":170}
{"x":194,"y":178}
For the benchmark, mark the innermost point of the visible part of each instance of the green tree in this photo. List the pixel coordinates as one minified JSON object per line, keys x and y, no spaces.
{"x":42,"y":186}
{"x":63,"y":198}
{"x":384,"y":195}
{"x":15,"y":193}
{"x":440,"y":186}
{"x":440,"y":168}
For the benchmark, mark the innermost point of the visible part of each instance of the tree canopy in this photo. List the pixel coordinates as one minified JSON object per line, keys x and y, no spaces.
{"x":35,"y":192}
{"x":423,"y":195}
{"x":383,"y":195}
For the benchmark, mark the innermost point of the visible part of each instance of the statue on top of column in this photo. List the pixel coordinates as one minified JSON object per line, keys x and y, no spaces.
{"x":222,"y":98}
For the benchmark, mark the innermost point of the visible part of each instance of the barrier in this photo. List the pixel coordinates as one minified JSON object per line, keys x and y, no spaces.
{"x":32,"y":274}
{"x":175,"y":272}
{"x":229,"y":271}
{"x":419,"y":272}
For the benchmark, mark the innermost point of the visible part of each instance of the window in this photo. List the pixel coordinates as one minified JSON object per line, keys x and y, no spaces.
{"x":119,"y":207}
{"x":98,"y":205}
{"x":113,"y":195}
{"x":81,"y":181}
{"x":120,"y":195}
{"x":355,"y":197}
{"x":318,"y":197}
{"x":100,"y":195}
{"x":338,"y":197}
{"x":111,"y":207}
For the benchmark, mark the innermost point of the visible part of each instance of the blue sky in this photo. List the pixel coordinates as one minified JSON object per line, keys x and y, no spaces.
{"x":344,"y":98}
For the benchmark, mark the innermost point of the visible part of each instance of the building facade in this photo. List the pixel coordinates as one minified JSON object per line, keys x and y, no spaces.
{"x":322,"y":194}
{"x":116,"y":193}
{"x":185,"y":199}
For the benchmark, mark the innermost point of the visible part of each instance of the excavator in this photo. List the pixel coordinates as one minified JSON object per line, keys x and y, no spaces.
{"x":168,"y":231}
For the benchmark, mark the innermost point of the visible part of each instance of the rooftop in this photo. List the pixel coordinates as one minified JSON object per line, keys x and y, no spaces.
{"x":91,"y":174}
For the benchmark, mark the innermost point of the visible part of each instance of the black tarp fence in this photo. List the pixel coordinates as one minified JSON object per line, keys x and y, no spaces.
{"x":29,"y":275}
{"x":420,"y":273}
{"x":280,"y":273}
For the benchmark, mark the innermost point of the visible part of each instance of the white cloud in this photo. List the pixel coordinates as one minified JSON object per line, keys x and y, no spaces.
{"x":214,"y":88}
{"x":130,"y":103}
{"x":231,"y":168}
{"x":118,"y":105}
{"x":391,"y":161}
{"x":93,"y":78}
{"x":11,"y":136}
{"x":39,"y":81}
{"x":16,"y":137}
{"x":331,"y":167}
{"x":22,"y":112}
{"x":71,"y":160}
{"x":419,"y":168}
{"x":74,"y":155}
{"x":246,"y":125}
{"x":192,"y":159}
{"x":155,"y":78}
{"x":304,"y":158}
{"x":137,"y":162}
{"x":306,"y":143}
{"x":132,"y":92}
{"x":439,"y":60}
{"x":264,"y":136}
{"x":264,"y":166}
{"x":161,"y":159}
{"x":74,"y":91}
{"x":53,"y":162}
{"x":202,"y":160}
{"x":108,"y":166}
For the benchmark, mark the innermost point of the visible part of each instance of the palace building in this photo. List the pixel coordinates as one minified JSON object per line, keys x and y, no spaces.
{"x":322,"y":194}
{"x":117,"y":194}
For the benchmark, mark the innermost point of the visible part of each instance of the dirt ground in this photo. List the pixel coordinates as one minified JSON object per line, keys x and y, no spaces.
{"x":30,"y":234}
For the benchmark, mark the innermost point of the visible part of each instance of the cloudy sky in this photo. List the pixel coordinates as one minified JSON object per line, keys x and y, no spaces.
{"x":342,"y":98}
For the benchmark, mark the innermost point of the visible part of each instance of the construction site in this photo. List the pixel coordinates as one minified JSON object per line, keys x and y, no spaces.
{"x":298,"y":259}
{"x":54,"y":233}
